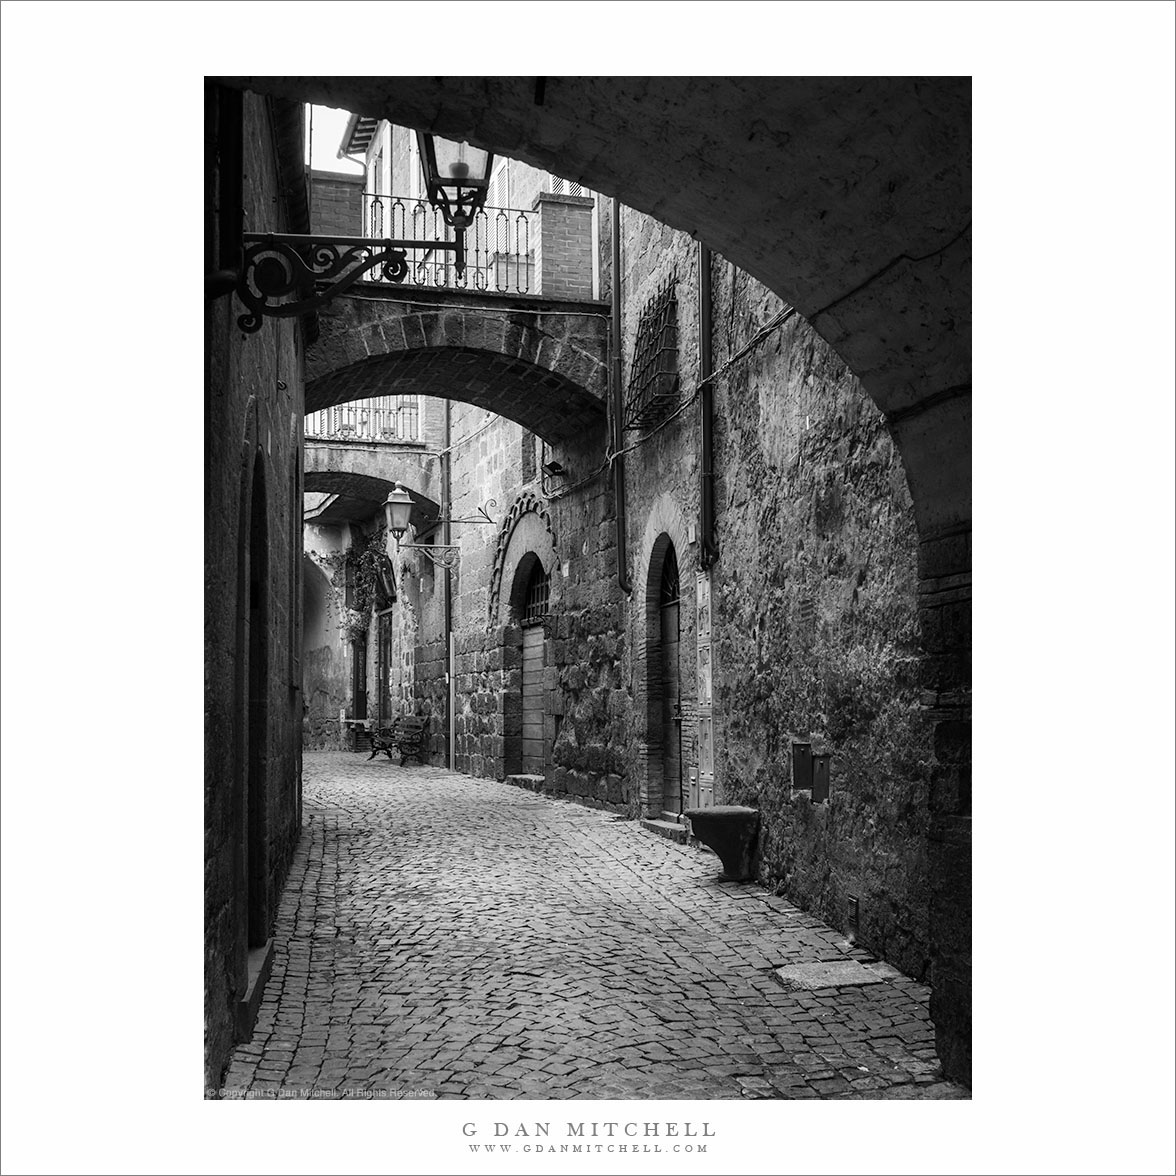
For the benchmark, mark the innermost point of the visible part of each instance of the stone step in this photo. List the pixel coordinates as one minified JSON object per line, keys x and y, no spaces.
{"x":670,"y":829}
{"x":532,"y":783}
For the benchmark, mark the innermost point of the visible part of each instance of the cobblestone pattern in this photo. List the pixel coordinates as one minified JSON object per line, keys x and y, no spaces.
{"x":448,"y":937}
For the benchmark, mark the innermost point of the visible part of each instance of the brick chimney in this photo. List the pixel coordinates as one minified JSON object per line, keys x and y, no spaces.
{"x":563,"y":254}
{"x":336,"y":204}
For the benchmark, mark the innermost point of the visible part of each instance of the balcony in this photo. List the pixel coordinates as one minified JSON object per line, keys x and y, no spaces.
{"x":499,"y":245}
{"x":383,"y":420}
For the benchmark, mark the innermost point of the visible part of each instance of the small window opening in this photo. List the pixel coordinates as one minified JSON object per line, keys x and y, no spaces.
{"x":670,"y":588}
{"x":536,"y":598}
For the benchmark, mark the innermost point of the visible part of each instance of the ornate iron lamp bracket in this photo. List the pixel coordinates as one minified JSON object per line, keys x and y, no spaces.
{"x":483,"y":516}
{"x":444,"y":555}
{"x":314,"y":269}
{"x":447,"y":555}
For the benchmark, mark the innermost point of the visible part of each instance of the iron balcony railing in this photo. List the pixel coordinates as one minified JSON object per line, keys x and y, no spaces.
{"x":499,"y":253}
{"x":390,"y":420}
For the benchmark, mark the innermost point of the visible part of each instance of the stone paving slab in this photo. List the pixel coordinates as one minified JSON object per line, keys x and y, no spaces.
{"x":835,"y":974}
{"x":443,"y":936}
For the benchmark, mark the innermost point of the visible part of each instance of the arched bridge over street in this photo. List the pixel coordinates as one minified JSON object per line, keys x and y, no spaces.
{"x":362,"y":475}
{"x":537,"y":361}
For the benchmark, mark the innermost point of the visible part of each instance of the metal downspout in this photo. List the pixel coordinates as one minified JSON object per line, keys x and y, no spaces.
{"x":446,"y":511}
{"x":617,"y":440}
{"x":709,"y":548}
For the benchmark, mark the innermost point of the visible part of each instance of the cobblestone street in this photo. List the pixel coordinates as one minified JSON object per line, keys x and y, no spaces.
{"x":449,"y":937}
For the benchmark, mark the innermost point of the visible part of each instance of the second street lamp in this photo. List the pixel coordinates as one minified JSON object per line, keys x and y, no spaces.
{"x":398,"y":513}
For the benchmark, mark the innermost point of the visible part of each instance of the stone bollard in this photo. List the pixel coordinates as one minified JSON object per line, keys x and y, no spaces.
{"x":730,"y":830}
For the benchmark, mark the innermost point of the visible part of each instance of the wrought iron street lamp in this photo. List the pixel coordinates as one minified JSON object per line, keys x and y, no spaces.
{"x":398,"y":511}
{"x":457,"y":177}
{"x":309,"y":269}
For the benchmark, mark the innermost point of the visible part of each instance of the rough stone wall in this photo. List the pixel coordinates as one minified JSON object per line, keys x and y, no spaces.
{"x":486,"y":465}
{"x":817,"y":628}
{"x":815,"y":622}
{"x":254,"y":406}
{"x":661,"y":478}
{"x":567,"y":523}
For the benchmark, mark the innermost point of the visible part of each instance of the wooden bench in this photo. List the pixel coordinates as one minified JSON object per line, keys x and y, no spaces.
{"x":406,"y":735}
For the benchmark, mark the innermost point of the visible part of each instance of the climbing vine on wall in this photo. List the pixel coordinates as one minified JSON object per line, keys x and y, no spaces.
{"x":355,"y":573}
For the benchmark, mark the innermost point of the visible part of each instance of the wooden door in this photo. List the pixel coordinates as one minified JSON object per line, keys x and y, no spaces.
{"x":384,"y":670}
{"x":359,"y":678}
{"x":534,"y":613}
{"x":671,"y":687}
{"x":533,"y":700}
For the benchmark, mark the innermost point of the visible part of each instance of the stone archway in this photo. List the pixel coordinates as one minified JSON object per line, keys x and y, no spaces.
{"x":360,"y":495}
{"x":535,"y":362}
{"x":665,"y":532}
{"x":526,"y":549}
{"x":526,"y":528}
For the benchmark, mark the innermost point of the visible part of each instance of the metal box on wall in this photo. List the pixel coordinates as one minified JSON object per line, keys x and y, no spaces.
{"x":802,"y":765}
{"x":821,"y":777}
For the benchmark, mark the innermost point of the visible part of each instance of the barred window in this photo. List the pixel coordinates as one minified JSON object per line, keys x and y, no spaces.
{"x":535,"y":601}
{"x":653,"y":377}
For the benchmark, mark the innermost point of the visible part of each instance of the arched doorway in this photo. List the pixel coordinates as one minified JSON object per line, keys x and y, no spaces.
{"x":256,"y":866}
{"x":670,"y":685}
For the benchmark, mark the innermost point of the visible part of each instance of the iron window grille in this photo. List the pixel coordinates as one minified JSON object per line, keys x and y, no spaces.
{"x":535,"y":602}
{"x":653,"y":378}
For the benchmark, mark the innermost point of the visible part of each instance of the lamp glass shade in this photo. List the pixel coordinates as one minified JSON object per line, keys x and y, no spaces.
{"x":397,"y":509}
{"x":460,"y":164}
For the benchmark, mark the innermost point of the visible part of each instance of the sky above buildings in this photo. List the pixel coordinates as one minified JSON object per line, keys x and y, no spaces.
{"x":325,"y":127}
